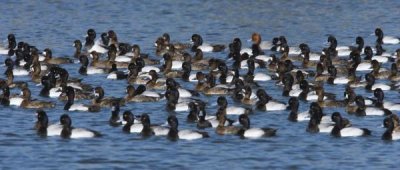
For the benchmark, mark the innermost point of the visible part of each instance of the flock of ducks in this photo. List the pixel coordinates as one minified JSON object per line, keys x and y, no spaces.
{"x":299,"y":72}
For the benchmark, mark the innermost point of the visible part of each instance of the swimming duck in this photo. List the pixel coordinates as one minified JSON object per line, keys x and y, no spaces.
{"x":381,"y":39}
{"x":96,"y":62}
{"x":95,"y":45}
{"x":380,"y":103}
{"x":175,"y":134}
{"x":85,"y":69}
{"x":17,"y":71}
{"x":25,"y":101}
{"x":339,"y":130}
{"x":132,"y":125}
{"x":136,"y":52}
{"x":371,"y":85}
{"x":140,"y":94}
{"x":198,"y":44}
{"x":147,"y":131}
{"x":58,"y":60}
{"x":294,"y":116}
{"x":42,"y":125}
{"x":392,"y":132}
{"x":115,"y":74}
{"x":253,"y":133}
{"x":155,"y":82}
{"x":363,"y":110}
{"x":70,"y":132}
{"x":266,"y":103}
{"x":9,"y":49}
{"x":101,"y":100}
{"x":231,"y":110}
{"x":223,"y":128}
{"x":70,"y":106}
{"x":394,"y":76}
{"x":264,"y":45}
{"x":11,"y":83}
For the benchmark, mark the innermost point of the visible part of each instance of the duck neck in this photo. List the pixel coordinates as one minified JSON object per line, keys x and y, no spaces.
{"x":66,"y":131}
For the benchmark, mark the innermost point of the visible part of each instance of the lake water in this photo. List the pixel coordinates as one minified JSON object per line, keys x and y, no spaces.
{"x":56,"y":24}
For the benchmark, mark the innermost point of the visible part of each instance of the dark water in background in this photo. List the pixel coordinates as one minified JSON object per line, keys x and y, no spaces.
{"x":56,"y":24}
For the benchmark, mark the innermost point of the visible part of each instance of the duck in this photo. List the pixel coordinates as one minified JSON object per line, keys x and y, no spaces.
{"x":42,"y":125}
{"x":11,"y":83}
{"x":70,"y":106}
{"x":378,"y":72}
{"x":64,"y":80}
{"x":307,"y":55}
{"x":381,"y":39}
{"x":96,"y":62}
{"x":17,"y":71}
{"x":336,"y":50}
{"x":92,"y":45}
{"x":371,"y":85}
{"x":293,"y":50}
{"x":112,"y":56}
{"x":394,"y":76}
{"x":266,"y":104}
{"x":70,"y":132}
{"x":363,"y":110}
{"x":78,"y":48}
{"x":253,"y":133}
{"x":25,"y":101}
{"x":147,"y":131}
{"x":256,"y":76}
{"x":12,"y":43}
{"x":392,"y":132}
{"x":101,"y":100}
{"x":115,"y":74}
{"x":211,"y":88}
{"x":131,"y":126}
{"x":294,"y":116}
{"x":203,"y":122}
{"x":248,"y":97}
{"x":197,"y":41}
{"x":264,"y":45}
{"x":85,"y":69}
{"x":175,"y":102}
{"x":175,"y":134}
{"x":155,"y":82}
{"x":140,"y":94}
{"x":55,"y":60}
{"x":357,"y":64}
{"x":49,"y":89}
{"x":339,"y":130}
{"x":369,"y":55}
{"x":333,"y":79}
{"x":165,"y":40}
{"x":320,"y":76}
{"x":231,"y":110}
{"x":223,"y":127}
{"x":135,"y":77}
{"x":380,"y":103}
{"x":136,"y":53}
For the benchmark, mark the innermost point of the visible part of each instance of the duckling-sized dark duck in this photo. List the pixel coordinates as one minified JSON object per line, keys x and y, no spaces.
{"x":48,"y":54}
{"x":27,"y":102}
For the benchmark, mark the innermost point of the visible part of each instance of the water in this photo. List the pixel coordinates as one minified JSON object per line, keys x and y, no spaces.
{"x":56,"y":24}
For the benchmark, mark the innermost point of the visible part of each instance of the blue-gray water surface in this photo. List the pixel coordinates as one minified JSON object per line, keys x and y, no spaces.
{"x":56,"y":24}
